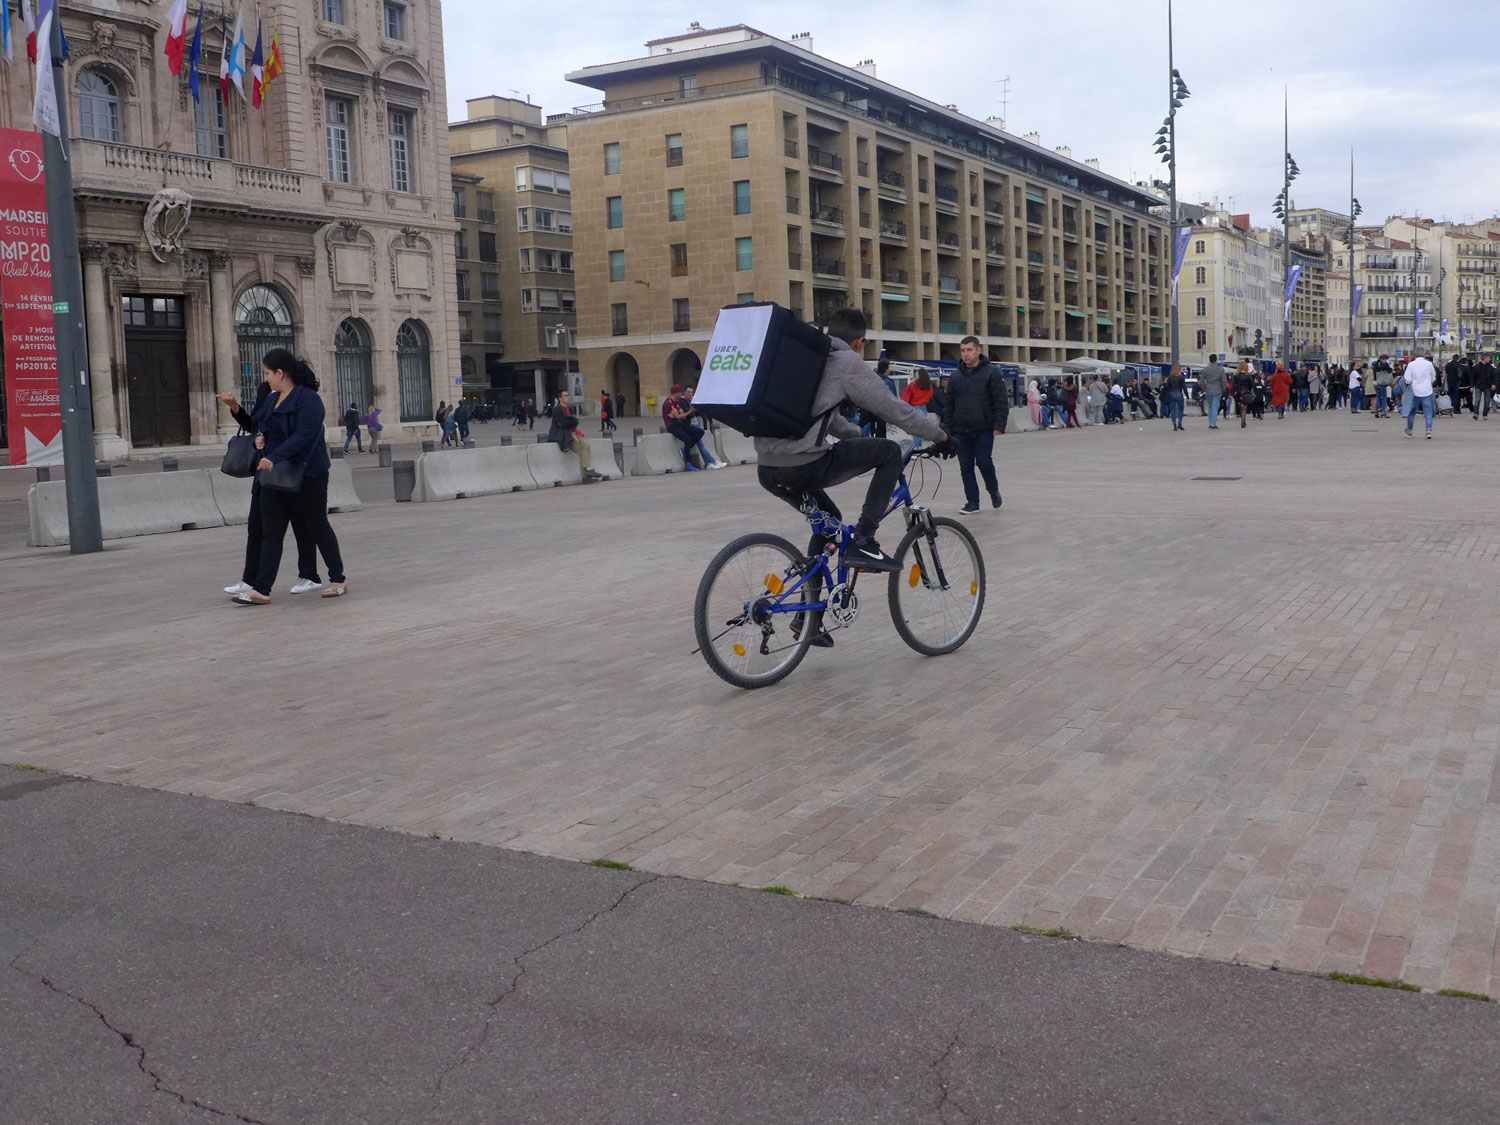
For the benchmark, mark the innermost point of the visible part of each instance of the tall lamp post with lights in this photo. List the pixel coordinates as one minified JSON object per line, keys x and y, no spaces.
{"x":1282,"y":209}
{"x":1166,"y":148}
{"x":1355,"y":210}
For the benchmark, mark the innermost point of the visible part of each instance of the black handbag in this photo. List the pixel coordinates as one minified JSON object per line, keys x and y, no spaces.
{"x":283,"y":476}
{"x":240,"y":457}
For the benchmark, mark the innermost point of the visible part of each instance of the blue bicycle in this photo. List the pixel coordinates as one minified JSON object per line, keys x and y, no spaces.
{"x":760,"y":596}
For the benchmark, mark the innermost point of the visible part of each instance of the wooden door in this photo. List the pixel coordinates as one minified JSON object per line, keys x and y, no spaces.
{"x":156,"y":371}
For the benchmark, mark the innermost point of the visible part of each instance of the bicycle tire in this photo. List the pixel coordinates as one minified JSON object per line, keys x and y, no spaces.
{"x":902,"y":578}
{"x":704,"y":630}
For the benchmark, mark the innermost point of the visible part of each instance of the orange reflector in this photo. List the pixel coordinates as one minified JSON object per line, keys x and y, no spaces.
{"x":739,"y":650}
{"x":915,"y":576}
{"x":774,"y":584}
{"x":973,"y":589}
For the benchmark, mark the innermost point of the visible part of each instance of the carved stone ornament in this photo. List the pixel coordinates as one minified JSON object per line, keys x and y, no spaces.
{"x":166,"y":221}
{"x":92,"y":251}
{"x":119,"y":261}
{"x":411,"y":234}
{"x":307,"y":267}
{"x":195,"y":267}
{"x":351,"y":256}
{"x":411,"y":262}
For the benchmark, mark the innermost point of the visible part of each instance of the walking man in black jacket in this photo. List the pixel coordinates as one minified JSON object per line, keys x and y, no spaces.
{"x":975,"y":409}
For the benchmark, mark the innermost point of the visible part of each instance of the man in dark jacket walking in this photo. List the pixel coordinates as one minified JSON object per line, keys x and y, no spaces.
{"x":1481,"y":387}
{"x":975,"y":409}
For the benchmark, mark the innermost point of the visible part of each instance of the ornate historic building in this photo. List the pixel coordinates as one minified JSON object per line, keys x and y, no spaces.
{"x":210,"y":232}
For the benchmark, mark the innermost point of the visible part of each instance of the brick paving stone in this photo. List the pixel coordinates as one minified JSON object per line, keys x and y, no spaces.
{"x":1196,"y":716}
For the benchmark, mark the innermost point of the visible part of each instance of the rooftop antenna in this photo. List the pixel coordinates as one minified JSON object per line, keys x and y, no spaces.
{"x":1004,"y":84}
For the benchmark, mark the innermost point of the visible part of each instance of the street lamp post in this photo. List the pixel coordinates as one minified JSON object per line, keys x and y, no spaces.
{"x":1166,"y":148}
{"x":1282,"y":209}
{"x":562,"y":340}
{"x":1354,"y":213}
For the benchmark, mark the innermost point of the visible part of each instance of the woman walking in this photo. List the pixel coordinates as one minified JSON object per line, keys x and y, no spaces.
{"x":918,"y":393}
{"x":606,"y":414}
{"x":1243,"y":390}
{"x":1281,"y":386}
{"x":1173,"y":392}
{"x":307,"y":551}
{"x":373,"y":426}
{"x":292,"y":473}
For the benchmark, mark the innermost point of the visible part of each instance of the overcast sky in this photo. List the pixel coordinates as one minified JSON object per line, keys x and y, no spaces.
{"x":1092,"y":74}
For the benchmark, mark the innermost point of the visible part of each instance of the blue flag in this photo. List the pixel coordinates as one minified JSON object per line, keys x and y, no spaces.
{"x":195,"y":55}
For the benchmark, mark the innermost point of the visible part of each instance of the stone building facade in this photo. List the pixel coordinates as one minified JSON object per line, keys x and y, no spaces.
{"x":212,"y":232}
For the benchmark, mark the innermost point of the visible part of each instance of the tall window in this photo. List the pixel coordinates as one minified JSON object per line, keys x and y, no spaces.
{"x":351,"y":358}
{"x":98,"y":107}
{"x":460,"y":205}
{"x":395,"y":20}
{"x":612,"y":158}
{"x":682,"y":319}
{"x":489,"y":286}
{"x":463,"y":285}
{"x":1202,"y":338}
{"x":1199,"y":247}
{"x":1200,"y":306}
{"x":739,"y":141}
{"x":492,"y":328}
{"x":679,"y":259}
{"x":525,"y":259}
{"x":261,"y":322}
{"x":460,"y":244}
{"x":614,"y":209}
{"x":744,"y":254}
{"x":486,"y":202}
{"x":1200,"y":275}
{"x":333,"y":11}
{"x":398,"y":129}
{"x":414,"y":372}
{"x":687,"y":85}
{"x":338,"y":114}
{"x":742,"y":197}
{"x":617,"y":265}
{"x":487,"y":246}
{"x":674,"y":150}
{"x":619,"y":319}
{"x":212,"y":124}
{"x":676,"y":205}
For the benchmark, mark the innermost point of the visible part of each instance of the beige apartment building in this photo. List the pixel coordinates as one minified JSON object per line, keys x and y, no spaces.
{"x":212,"y":232}
{"x":728,"y":165}
{"x":514,"y":252}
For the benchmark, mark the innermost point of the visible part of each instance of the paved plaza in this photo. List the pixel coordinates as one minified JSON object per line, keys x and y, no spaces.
{"x":1248,"y":719}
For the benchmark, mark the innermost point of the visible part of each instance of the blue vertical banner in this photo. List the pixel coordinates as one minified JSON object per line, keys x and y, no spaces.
{"x":1359,"y":295}
{"x":1443,"y":329}
{"x":1292,"y":277}
{"x":1179,"y":254}
{"x":1418,"y":327}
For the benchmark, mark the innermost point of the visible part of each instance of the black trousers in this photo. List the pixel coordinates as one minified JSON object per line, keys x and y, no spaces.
{"x":307,"y":551}
{"x":310,"y":507}
{"x":845,"y":461}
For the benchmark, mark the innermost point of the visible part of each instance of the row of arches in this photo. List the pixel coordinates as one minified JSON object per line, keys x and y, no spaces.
{"x":263,"y":320}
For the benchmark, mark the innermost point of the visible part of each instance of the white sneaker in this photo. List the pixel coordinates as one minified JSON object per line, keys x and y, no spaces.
{"x":718,"y":465}
{"x":306,"y":586}
{"x":238,"y":588}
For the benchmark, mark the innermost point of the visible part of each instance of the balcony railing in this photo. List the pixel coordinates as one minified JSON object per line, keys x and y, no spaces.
{"x":1034,"y":258}
{"x":946,"y":193}
{"x":828,"y":267}
{"x":999,"y":329}
{"x":900,"y":323}
{"x":486,"y":215}
{"x":681,"y":323}
{"x":896,"y":228}
{"x":953,"y":327}
{"x":118,"y":165}
{"x":893,"y":276}
{"x":833,"y":216}
{"x":820,"y":159}
{"x":887,"y":178}
{"x":950,"y":240}
{"x":674,"y":158}
{"x":948,"y":283}
{"x":994,"y":249}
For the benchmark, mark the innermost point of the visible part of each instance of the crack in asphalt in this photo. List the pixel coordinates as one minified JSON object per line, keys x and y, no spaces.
{"x":492,"y":1006}
{"x":937,"y":1070}
{"x":157,"y":1083}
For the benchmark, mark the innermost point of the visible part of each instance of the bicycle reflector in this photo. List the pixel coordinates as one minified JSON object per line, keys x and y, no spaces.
{"x":915,"y":576}
{"x":973,"y":589}
{"x":739,"y":650}
{"x":774,"y":584}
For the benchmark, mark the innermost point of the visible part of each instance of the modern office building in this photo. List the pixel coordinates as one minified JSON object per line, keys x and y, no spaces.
{"x":213,"y":231}
{"x":728,"y":165}
{"x":516,"y":263}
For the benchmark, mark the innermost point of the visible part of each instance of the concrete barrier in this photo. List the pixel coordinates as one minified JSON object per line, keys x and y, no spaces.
{"x":733,"y":447}
{"x":341,"y":494}
{"x":656,"y":454}
{"x":450,"y":474}
{"x":232,"y":495}
{"x":604,"y":458}
{"x":135,"y":504}
{"x":550,"y":466}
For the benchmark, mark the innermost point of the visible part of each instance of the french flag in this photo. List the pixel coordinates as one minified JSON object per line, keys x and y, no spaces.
{"x":28,"y":17}
{"x":224,"y":58}
{"x":176,"y":35}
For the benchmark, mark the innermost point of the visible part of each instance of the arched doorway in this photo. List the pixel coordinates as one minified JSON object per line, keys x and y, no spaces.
{"x":262,"y":321}
{"x":414,"y":371}
{"x":351,"y":354}
{"x":623,"y":377}
{"x":684,"y":367}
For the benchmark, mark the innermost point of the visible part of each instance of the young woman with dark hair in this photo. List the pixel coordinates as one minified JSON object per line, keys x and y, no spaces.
{"x":289,"y":428}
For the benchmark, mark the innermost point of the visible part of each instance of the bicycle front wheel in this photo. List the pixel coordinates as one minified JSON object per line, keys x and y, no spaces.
{"x":937,"y":594}
{"x":746,"y":641}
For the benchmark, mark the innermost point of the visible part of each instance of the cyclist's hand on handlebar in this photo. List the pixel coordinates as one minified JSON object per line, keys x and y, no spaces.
{"x":945,"y":449}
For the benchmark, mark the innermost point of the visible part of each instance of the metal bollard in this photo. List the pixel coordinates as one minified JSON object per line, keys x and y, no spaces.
{"x":620,"y":455}
{"x":429,"y":446}
{"x":385,"y":456}
{"x":404,"y":480}
{"x":169,"y":464}
{"x":43,"y":473}
{"x":636,"y":435}
{"x":103,"y":470}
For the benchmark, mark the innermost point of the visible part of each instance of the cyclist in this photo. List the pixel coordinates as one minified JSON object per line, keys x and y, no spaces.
{"x":790,"y":467}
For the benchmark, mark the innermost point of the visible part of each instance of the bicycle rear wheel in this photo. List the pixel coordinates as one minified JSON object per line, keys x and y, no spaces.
{"x":938,"y":594}
{"x":744,"y":642}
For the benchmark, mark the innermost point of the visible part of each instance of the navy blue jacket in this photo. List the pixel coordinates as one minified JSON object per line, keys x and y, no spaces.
{"x":294,"y":430}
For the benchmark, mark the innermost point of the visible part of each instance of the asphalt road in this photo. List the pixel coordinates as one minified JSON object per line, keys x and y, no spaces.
{"x":174,"y":959}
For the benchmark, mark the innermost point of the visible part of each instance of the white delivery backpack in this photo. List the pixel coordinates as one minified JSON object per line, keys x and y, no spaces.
{"x":763,"y":371}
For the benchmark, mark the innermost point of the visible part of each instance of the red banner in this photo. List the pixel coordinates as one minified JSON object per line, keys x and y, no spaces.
{"x":34,"y":422}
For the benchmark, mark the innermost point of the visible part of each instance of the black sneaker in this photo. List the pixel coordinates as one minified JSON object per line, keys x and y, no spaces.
{"x":995,"y":500}
{"x":969,"y":509}
{"x":865,"y":554}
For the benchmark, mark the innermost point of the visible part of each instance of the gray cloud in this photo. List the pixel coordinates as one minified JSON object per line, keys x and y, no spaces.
{"x":1092,"y":75}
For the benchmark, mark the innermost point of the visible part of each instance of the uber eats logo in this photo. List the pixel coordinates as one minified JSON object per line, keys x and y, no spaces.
{"x":730,"y":358}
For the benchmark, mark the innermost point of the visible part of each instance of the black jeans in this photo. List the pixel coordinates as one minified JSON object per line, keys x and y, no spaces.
{"x":307,"y":551}
{"x":845,"y":461}
{"x":977,"y":449}
{"x":310,"y":508}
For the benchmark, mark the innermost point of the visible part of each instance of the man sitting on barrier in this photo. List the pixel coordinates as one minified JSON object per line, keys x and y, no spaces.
{"x":569,"y":438}
{"x":679,"y":412}
{"x":790,"y":467}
